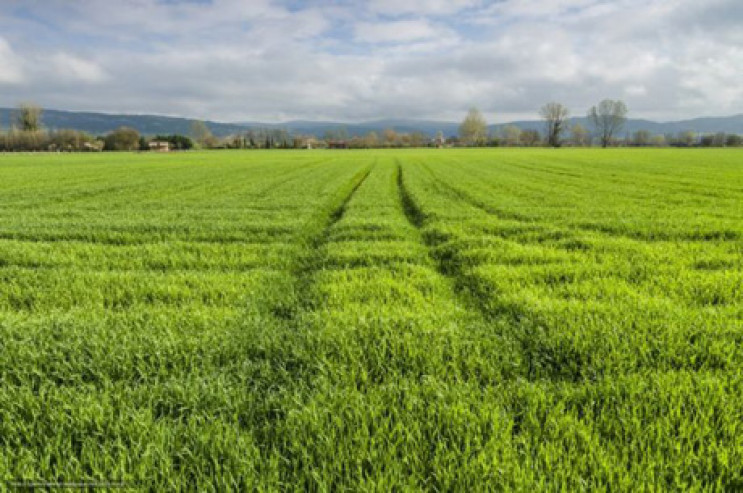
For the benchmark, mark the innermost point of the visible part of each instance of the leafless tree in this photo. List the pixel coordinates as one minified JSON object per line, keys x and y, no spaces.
{"x":201,"y":134}
{"x":556,"y":117}
{"x":389,"y":136}
{"x":510,"y":135}
{"x":530,"y":138}
{"x":579,"y":135}
{"x":641,"y":138}
{"x":608,"y":118}
{"x":686,"y":138}
{"x":474,"y":128}
{"x":371,"y":140}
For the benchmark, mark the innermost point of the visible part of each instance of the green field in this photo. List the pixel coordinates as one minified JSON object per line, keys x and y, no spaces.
{"x":447,"y":320}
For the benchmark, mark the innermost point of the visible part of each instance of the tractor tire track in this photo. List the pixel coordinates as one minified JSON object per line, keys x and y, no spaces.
{"x":539,"y":358}
{"x":315,"y":238}
{"x":471,"y":298}
{"x":444,"y":265}
{"x":286,"y":345}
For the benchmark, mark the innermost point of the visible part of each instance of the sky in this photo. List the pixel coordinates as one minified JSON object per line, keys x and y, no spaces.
{"x":345,"y":60}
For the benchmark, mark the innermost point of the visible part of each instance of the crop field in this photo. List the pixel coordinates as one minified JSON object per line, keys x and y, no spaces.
{"x":443,"y":320}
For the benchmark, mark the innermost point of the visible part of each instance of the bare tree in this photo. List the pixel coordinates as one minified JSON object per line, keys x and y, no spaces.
{"x":641,"y":138}
{"x":474,"y":128}
{"x":530,"y":138}
{"x":718,"y":140}
{"x":417,"y":139}
{"x":510,"y":135}
{"x":608,"y":118}
{"x":371,"y":140}
{"x":686,"y":139}
{"x":201,"y":134}
{"x":556,"y":117}
{"x":389,"y":136}
{"x":658,"y":141}
{"x":579,"y":135}
{"x":28,"y":117}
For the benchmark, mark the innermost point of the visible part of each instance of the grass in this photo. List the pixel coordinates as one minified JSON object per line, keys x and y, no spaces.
{"x":378,"y":320}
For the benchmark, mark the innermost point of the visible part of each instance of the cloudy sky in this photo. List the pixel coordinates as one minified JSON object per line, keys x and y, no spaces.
{"x":278,"y":60}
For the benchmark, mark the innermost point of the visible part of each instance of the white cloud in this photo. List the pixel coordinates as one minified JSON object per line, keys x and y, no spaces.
{"x":395,"y":31}
{"x":420,"y":7}
{"x":76,"y":69}
{"x":12,"y":71}
{"x":261,"y":60}
{"x":636,"y":90}
{"x":541,"y":8}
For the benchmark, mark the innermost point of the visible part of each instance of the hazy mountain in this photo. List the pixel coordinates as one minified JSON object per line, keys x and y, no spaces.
{"x":727,"y":124}
{"x":101,"y":123}
{"x":401,"y":126}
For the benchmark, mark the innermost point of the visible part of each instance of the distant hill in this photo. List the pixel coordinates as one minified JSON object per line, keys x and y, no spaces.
{"x":102,"y":123}
{"x":426,"y":127}
{"x":727,"y":124}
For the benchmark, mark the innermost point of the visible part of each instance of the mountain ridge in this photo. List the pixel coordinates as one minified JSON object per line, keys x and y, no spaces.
{"x":102,"y":123}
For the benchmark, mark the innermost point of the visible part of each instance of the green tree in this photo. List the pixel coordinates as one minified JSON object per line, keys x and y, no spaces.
{"x":70,"y":140}
{"x":28,"y":117}
{"x":473,"y":129}
{"x":122,"y":139}
{"x":180,"y":142}
{"x":733,"y":140}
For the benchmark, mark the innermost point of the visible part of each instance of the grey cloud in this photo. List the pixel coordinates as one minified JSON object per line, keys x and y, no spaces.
{"x":667,"y":59}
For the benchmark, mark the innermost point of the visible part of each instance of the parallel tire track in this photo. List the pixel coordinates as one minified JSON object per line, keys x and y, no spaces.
{"x":444,"y":265}
{"x":540,"y":358}
{"x":315,"y":238}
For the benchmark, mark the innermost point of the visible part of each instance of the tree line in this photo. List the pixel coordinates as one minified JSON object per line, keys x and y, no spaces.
{"x":606,"y":119}
{"x":27,"y":133}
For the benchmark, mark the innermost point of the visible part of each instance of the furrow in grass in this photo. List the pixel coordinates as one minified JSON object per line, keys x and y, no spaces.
{"x":358,"y":329}
{"x":316,"y":235}
{"x":387,"y":350}
{"x":476,"y":295}
{"x":417,"y":217}
{"x":458,"y":194}
{"x":577,"y":312}
{"x":205,"y":359}
{"x":485,"y":190}
{"x":484,"y":325}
